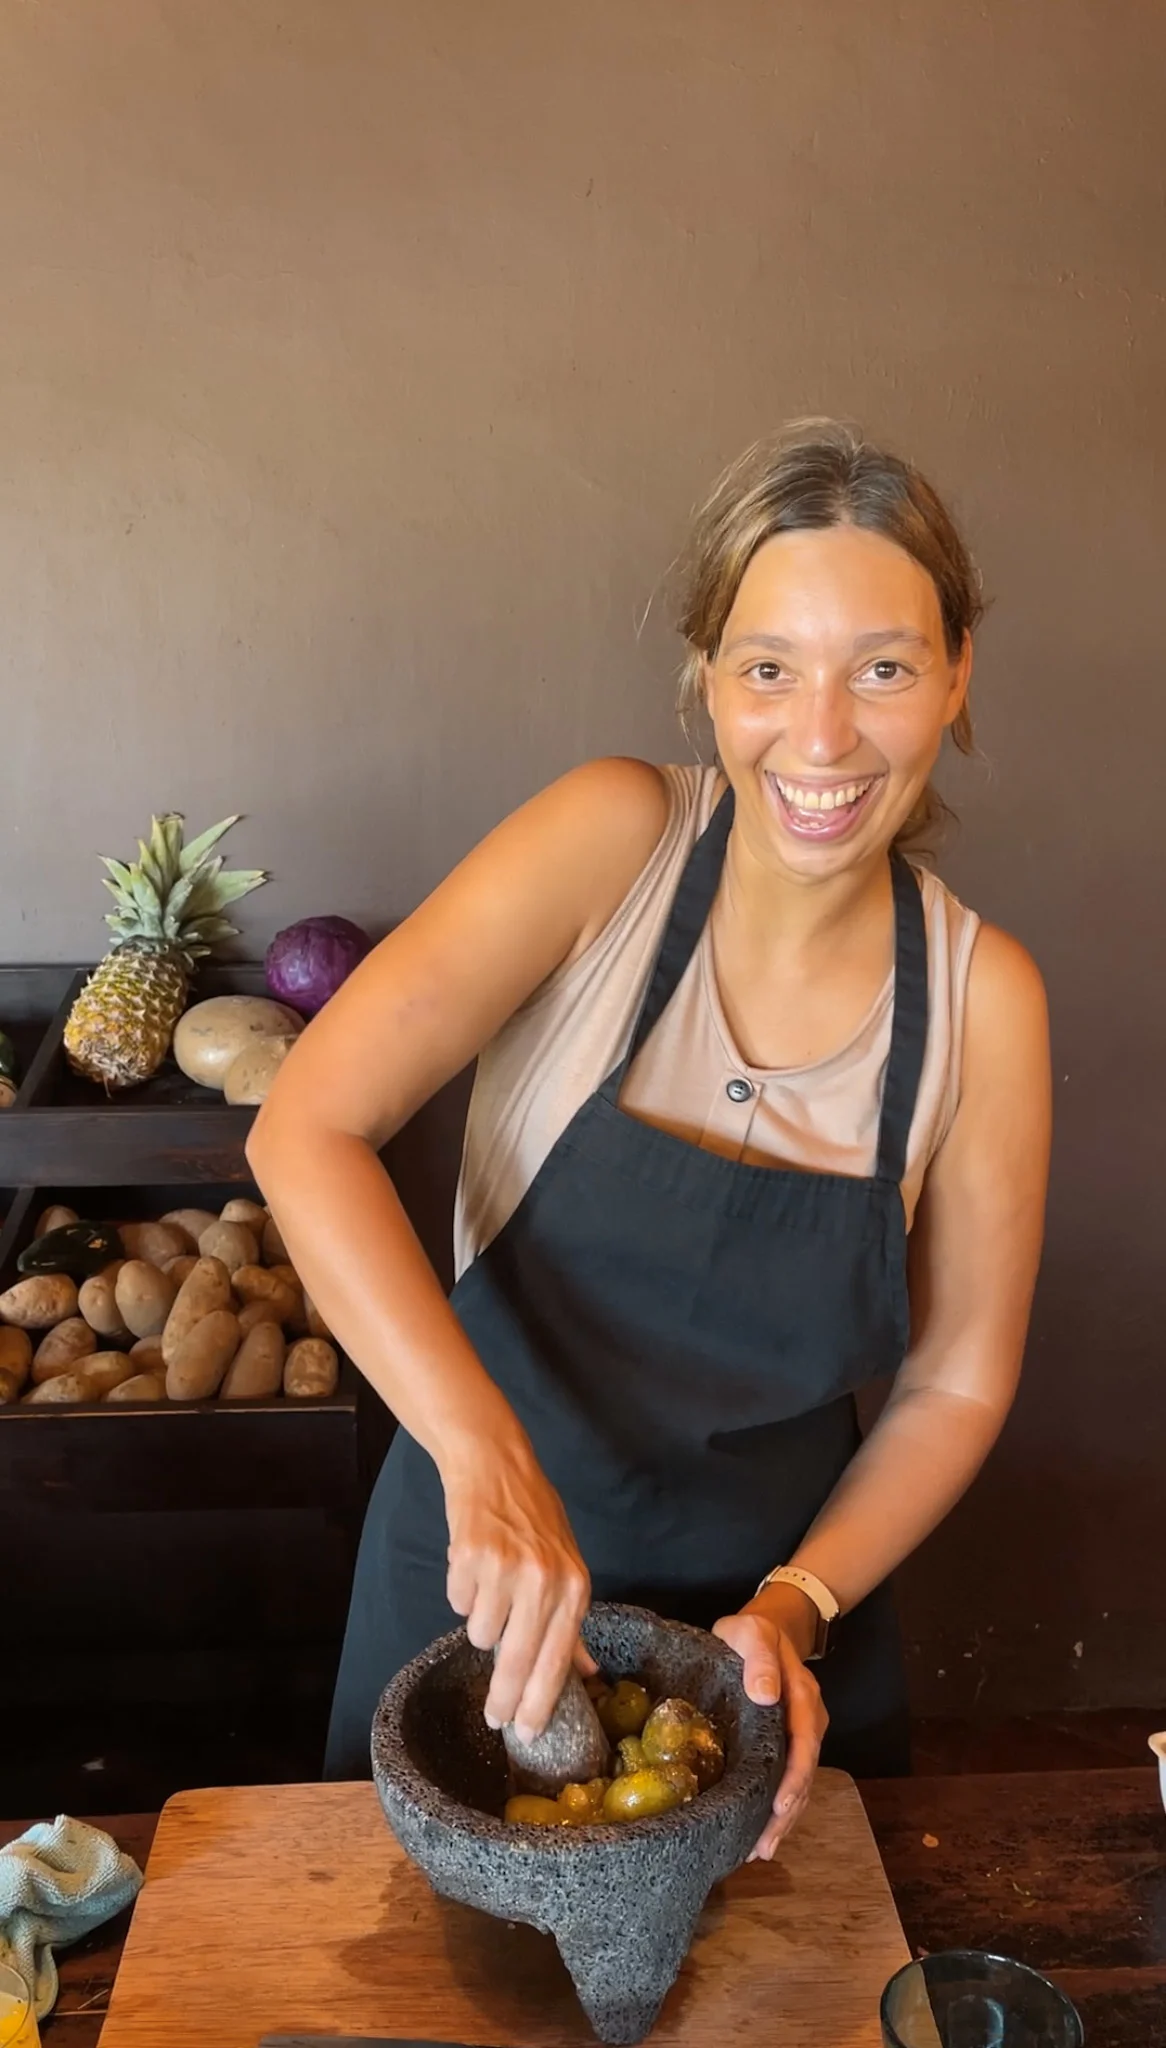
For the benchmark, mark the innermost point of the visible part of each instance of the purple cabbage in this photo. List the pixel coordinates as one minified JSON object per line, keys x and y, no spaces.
{"x":306,"y":963}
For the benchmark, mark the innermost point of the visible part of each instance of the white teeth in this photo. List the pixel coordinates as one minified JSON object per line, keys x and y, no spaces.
{"x":800,"y":799}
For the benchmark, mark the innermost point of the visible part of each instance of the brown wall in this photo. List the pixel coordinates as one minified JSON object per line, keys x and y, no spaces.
{"x":358,"y":364}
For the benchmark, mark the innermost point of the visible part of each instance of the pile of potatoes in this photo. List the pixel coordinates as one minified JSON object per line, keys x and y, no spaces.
{"x":201,"y":1306}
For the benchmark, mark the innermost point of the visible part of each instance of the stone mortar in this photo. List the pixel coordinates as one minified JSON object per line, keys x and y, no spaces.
{"x":622,"y":1902}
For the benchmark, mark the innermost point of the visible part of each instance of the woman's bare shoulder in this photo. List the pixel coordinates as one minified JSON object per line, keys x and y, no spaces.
{"x":623,"y":796}
{"x":525,"y":900}
{"x":600,"y":824}
{"x":1007,"y":1012}
{"x":1003,"y":972}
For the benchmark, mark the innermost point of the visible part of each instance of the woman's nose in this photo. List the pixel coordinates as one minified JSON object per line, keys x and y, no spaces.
{"x":821,"y":727}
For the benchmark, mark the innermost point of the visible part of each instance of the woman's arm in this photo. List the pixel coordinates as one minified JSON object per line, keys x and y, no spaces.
{"x":975,"y":1249}
{"x":415,"y":1013}
{"x":974,"y":1253}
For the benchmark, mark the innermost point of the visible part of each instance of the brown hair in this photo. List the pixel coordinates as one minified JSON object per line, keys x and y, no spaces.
{"x":814,"y":473}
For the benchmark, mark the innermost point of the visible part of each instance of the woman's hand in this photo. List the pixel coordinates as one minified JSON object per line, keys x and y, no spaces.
{"x":516,"y":1574}
{"x":771,"y":1636}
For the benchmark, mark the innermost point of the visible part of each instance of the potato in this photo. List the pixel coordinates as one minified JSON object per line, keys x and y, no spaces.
{"x":274,"y":1248}
{"x":202,"y":1293}
{"x":317,"y":1327}
{"x":104,"y":1370}
{"x":15,"y":1358}
{"x":67,"y":1387}
{"x":146,"y":1356}
{"x":144,"y":1297}
{"x":16,"y":1349}
{"x":56,"y":1217}
{"x":142,"y":1386}
{"x":252,"y":1214}
{"x":312,"y":1369}
{"x":233,"y":1243}
{"x":180,"y":1269}
{"x":154,"y":1242}
{"x":38,"y":1303}
{"x":60,"y":1351}
{"x":212,"y":1034}
{"x":97,"y":1302}
{"x":248,"y":1079}
{"x":191,"y":1223}
{"x":11,"y":1382}
{"x":194,"y":1371}
{"x":256,"y":1283}
{"x":296,"y":1323}
{"x":255,"y":1312}
{"x":256,"y":1371}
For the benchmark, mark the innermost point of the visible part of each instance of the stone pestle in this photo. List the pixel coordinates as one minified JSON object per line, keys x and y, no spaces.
{"x":571,"y":1750}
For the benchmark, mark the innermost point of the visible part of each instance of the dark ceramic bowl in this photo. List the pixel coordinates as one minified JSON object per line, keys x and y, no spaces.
{"x":621,"y":1902}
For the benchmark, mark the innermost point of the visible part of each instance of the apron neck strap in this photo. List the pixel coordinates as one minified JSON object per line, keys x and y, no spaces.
{"x":908,"y":1024}
{"x":690,"y":910}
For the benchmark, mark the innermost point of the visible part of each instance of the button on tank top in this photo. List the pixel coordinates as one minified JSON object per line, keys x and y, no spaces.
{"x":689,"y":1078}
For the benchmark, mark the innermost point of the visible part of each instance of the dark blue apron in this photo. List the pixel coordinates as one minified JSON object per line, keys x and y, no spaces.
{"x":682,"y":1336}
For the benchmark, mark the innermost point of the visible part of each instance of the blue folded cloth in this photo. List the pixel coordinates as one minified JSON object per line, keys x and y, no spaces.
{"x":58,"y":1881}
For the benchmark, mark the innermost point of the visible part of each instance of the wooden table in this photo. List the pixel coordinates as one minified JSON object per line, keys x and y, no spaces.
{"x":1066,"y":1870}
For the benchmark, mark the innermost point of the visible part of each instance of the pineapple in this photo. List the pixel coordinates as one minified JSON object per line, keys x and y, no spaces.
{"x":170,"y":905}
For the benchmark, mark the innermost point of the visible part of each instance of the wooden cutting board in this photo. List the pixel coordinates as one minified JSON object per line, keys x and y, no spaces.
{"x":291,"y":1909}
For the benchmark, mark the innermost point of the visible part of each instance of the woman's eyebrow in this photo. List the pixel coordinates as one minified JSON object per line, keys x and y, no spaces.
{"x":881,"y":634}
{"x":877,"y":637}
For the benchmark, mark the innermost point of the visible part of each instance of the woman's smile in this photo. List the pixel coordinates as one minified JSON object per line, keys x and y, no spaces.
{"x":822,"y":810}
{"x":830,"y":691}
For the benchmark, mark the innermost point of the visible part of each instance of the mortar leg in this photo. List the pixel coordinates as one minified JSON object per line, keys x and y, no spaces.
{"x":624,"y":1965}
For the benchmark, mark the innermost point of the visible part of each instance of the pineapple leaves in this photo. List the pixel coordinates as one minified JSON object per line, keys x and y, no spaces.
{"x":169,"y":830}
{"x":176,"y":904}
{"x":196,"y":853}
{"x":122,"y":877}
{"x":174,"y":895}
{"x":159,"y":861}
{"x":231,"y":886}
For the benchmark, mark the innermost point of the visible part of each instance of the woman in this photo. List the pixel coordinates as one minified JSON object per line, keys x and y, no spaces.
{"x":731,"y":1047}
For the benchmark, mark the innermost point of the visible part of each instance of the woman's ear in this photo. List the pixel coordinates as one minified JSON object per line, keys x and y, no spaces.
{"x":706,"y":684}
{"x":961,"y":677}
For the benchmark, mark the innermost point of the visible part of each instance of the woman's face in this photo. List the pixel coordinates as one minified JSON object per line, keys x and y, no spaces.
{"x":829,"y":694}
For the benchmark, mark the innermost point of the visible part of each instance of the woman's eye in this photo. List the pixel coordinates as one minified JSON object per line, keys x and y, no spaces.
{"x":766,"y":671}
{"x":886,"y":671}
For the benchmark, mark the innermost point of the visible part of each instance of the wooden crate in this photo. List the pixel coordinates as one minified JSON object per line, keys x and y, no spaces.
{"x":176,"y":1455}
{"x":30,"y":998}
{"x":63,"y":1128}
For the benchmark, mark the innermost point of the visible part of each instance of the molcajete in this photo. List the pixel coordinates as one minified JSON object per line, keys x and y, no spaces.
{"x":622,"y":1902}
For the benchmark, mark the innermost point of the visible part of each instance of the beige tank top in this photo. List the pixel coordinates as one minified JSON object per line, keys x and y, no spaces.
{"x":554,"y":1052}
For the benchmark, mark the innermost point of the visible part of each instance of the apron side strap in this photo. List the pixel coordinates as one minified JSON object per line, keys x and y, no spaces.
{"x":689,"y":914}
{"x":908,"y":1025}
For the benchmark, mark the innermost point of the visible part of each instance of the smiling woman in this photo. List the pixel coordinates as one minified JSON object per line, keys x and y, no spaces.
{"x":761,"y":1115}
{"x":820,"y":476}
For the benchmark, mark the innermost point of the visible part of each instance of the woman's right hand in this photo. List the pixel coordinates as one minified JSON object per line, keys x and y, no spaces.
{"x":516,"y":1574}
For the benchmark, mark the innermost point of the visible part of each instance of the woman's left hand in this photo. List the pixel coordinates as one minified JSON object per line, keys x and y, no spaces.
{"x":771,"y":1636}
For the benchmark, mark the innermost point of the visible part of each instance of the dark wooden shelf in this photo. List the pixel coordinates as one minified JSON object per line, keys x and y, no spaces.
{"x":64,"y":1128}
{"x":175,"y":1455}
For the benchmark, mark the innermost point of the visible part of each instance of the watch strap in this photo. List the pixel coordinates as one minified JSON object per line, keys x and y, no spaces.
{"x":817,"y":1592}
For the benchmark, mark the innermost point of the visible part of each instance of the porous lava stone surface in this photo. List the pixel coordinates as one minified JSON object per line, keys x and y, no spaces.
{"x":622,"y":1902}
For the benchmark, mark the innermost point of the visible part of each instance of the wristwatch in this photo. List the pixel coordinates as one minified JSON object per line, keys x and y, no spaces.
{"x":819,"y":1595}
